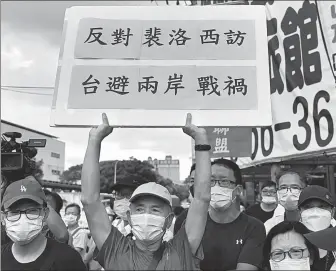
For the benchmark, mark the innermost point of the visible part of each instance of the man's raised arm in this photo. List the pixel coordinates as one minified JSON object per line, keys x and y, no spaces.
{"x":97,"y":218}
{"x":198,"y":210}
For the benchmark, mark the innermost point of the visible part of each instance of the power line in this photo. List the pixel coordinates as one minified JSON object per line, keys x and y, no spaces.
{"x":25,"y":92}
{"x":30,"y":87}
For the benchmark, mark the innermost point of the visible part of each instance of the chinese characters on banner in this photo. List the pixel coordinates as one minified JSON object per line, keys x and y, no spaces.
{"x":114,"y":39}
{"x":230,"y":142}
{"x":150,"y":66}
{"x":169,"y":87}
{"x":302,"y":82}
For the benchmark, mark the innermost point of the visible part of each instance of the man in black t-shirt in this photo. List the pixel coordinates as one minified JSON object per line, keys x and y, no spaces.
{"x":24,"y":205}
{"x":232,"y":240}
{"x":265,"y":209}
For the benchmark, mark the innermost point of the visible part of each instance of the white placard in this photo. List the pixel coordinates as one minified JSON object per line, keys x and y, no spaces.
{"x":244,"y":54}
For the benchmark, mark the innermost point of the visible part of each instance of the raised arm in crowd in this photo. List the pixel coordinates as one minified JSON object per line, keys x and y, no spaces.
{"x":150,"y":214}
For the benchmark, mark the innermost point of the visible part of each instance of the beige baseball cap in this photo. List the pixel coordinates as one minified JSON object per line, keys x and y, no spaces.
{"x":152,"y":189}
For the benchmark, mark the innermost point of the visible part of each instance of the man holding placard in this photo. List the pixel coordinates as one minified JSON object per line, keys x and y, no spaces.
{"x":150,"y":214}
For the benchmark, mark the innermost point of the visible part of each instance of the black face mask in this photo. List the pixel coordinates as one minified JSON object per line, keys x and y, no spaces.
{"x":191,"y":189}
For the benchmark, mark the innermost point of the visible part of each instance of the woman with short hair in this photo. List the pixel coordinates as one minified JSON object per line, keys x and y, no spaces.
{"x":286,"y":248}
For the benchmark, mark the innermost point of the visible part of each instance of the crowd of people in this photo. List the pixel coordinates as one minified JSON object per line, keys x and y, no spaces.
{"x":293,"y":227}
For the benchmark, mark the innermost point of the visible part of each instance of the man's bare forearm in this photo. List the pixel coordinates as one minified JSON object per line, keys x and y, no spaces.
{"x":203,"y":171}
{"x":91,"y":172}
{"x":57,"y":226}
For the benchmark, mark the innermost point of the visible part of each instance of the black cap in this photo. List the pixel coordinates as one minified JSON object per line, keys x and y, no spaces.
{"x":28,"y":188}
{"x":316,"y":192}
{"x":128,"y":181}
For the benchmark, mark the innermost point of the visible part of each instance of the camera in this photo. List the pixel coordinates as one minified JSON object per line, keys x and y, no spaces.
{"x":17,"y":158}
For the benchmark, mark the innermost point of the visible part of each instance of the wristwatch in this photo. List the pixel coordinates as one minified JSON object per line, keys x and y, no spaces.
{"x":202,"y":147}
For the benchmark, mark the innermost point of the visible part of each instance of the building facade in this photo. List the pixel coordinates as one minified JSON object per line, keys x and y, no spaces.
{"x":168,"y":168}
{"x":53,"y":154}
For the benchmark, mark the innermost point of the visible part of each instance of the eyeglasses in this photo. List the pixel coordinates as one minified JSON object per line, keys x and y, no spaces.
{"x":223,"y":183}
{"x":293,"y":190}
{"x":122,"y":196}
{"x":293,"y":253}
{"x":268,"y":192}
{"x":31,"y":214}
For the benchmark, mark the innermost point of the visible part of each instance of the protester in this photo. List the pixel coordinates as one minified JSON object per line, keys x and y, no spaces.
{"x":123,"y":191}
{"x":289,"y":186}
{"x":79,"y":235}
{"x":25,"y":212}
{"x":54,"y":200}
{"x":56,"y":227}
{"x":286,"y":248}
{"x":149,"y":216}
{"x":317,"y":207}
{"x":232,"y":239}
{"x":185,"y":203}
{"x":265,"y":209}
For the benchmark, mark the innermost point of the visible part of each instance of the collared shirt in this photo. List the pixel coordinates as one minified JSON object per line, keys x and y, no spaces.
{"x":79,"y":239}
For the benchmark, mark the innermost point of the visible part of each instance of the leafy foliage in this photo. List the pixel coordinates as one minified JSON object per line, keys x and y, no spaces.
{"x":140,"y":170}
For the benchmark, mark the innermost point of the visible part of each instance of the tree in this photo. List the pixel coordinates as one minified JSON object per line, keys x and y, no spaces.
{"x":140,"y":170}
{"x":181,"y":191}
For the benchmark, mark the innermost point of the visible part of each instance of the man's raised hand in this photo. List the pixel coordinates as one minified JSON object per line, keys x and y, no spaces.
{"x":192,"y":130}
{"x":102,"y":131}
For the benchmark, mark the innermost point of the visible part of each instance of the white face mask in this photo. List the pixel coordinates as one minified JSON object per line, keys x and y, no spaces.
{"x":289,"y":201}
{"x":24,"y":230}
{"x":70,"y":220}
{"x":291,"y":264}
{"x":316,"y":219}
{"x":147,"y":227}
{"x":120,"y":207}
{"x":268,"y":199}
{"x":221,"y":198}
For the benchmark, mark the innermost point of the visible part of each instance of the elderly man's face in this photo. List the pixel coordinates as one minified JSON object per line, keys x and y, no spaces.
{"x":150,"y":205}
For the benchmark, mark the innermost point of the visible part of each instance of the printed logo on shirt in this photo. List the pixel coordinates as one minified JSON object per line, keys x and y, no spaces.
{"x":23,"y":188}
{"x":239,"y":241}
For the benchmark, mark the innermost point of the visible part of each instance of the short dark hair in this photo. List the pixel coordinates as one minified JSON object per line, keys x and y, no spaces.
{"x":281,"y":228}
{"x":230,"y":165}
{"x":302,"y":175}
{"x":267,"y":184}
{"x":57,"y":198}
{"x":59,"y":201}
{"x":73,"y":205}
{"x":193,"y":167}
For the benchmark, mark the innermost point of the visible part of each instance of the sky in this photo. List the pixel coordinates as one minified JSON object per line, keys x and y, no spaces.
{"x":30,"y":43}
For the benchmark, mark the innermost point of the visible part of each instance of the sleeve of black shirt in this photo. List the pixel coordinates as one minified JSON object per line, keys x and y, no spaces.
{"x":252,"y":251}
{"x":179,"y":221}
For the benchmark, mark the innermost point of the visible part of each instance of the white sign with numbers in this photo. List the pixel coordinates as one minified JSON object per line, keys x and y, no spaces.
{"x":303,"y":88}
